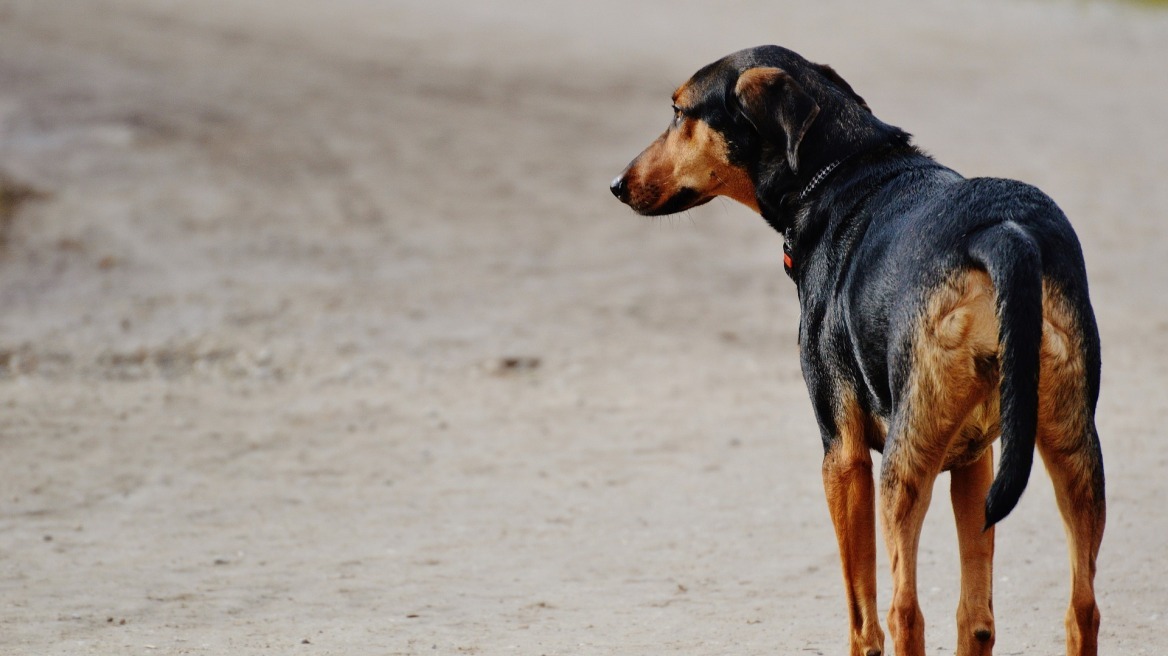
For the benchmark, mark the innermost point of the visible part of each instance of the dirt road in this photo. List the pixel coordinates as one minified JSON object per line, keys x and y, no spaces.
{"x":323,"y":335}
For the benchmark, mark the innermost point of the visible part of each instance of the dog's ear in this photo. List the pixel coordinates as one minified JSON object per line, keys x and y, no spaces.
{"x":777,"y":107}
{"x":829,"y":73}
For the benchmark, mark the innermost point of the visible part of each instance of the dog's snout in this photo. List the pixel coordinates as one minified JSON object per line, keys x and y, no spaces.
{"x":620,"y":188}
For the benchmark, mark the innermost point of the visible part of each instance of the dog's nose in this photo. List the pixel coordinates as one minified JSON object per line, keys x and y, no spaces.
{"x":620,"y":188}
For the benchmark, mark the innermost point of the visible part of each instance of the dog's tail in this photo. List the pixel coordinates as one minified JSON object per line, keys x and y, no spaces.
{"x":1013,"y":260}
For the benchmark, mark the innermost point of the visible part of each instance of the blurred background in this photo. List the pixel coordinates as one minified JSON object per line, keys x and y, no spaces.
{"x":321,"y":333}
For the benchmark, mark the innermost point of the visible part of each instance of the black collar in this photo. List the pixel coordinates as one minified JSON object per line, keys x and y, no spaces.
{"x":819,"y":177}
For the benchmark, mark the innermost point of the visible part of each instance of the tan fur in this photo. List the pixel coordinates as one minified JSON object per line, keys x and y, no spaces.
{"x":950,"y":419}
{"x":685,"y":95}
{"x":1062,"y":378}
{"x":952,"y":416}
{"x":689,"y":155}
{"x":1063,"y":424}
{"x":850,"y":492}
{"x":975,"y":615}
{"x":949,"y":395}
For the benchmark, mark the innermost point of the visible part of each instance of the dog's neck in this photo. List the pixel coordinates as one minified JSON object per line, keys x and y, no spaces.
{"x":799,"y":213}
{"x":783,"y":215}
{"x":788,"y":247}
{"x":794,"y":209}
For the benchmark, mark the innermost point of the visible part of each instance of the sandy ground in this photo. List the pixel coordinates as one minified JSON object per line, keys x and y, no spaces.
{"x":326,"y":337}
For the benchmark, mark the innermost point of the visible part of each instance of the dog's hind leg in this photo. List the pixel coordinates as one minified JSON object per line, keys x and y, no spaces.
{"x":850,"y":491}
{"x":1069,"y":445}
{"x":975,"y":615}
{"x":904,"y":499}
{"x":947,"y":382}
{"x":1078,"y":484}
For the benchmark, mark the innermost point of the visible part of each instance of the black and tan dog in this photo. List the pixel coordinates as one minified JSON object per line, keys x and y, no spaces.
{"x":938,"y":312}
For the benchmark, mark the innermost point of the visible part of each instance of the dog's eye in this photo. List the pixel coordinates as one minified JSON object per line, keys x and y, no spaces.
{"x":678,"y":116}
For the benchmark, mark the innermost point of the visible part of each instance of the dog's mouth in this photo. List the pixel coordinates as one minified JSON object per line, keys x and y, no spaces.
{"x":683,"y":200}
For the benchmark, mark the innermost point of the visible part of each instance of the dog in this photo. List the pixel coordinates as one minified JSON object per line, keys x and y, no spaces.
{"x":936,"y":314}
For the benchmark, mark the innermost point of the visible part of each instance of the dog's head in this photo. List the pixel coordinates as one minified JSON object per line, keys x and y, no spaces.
{"x":752,"y":127}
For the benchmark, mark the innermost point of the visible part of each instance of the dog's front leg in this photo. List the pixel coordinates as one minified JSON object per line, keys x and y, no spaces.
{"x":847,"y":481}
